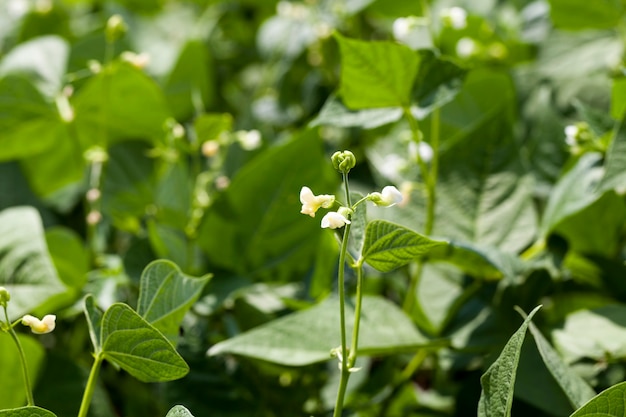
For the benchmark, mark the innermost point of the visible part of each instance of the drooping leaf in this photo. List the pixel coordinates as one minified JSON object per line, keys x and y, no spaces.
{"x":609,"y":403}
{"x":26,"y":269}
{"x":11,"y":377}
{"x":137,"y":347}
{"x":307,"y":336}
{"x":575,"y":388}
{"x":166,"y":294}
{"x":179,"y":411}
{"x":498,"y":382}
{"x":376,"y":74}
{"x":388,"y":246}
{"x":30,"y":411}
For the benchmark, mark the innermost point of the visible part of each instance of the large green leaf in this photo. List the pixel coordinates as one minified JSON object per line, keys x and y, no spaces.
{"x":498,"y":382}
{"x":609,"y":403}
{"x":255,"y":226}
{"x":388,"y":246}
{"x":335,"y":113}
{"x":121,"y":102}
{"x":11,"y":377}
{"x":307,"y":336}
{"x":30,"y":411}
{"x":166,"y":294}
{"x":26,"y":269}
{"x":137,"y":347}
{"x":376,"y":74}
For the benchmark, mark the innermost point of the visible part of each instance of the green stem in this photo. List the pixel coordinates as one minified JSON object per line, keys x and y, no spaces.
{"x":27,"y":386}
{"x":357,"y":316}
{"x":345,"y":374}
{"x":91,"y":385}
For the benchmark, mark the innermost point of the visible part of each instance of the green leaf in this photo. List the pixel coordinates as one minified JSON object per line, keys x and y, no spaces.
{"x":166,"y":294}
{"x":605,"y":334}
{"x":389,"y":246}
{"x":179,"y":411}
{"x":574,"y":191}
{"x":615,"y":163}
{"x":137,"y":347}
{"x":120,"y":103}
{"x":376,"y":74}
{"x":470,"y":259}
{"x":307,"y":336}
{"x":609,"y":403}
{"x":69,"y":256}
{"x":255,"y":226}
{"x":26,"y":269}
{"x":188,"y":86}
{"x":581,"y":14}
{"x":618,"y":98}
{"x":498,"y":382}
{"x":93,"y":315}
{"x":575,"y":388}
{"x":335,"y":113}
{"x":43,"y":60}
{"x":11,"y":377}
{"x":30,"y":411}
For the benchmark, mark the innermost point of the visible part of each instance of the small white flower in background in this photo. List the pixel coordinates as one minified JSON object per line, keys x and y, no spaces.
{"x":222,"y":182}
{"x":138,"y":61}
{"x":311,"y":202}
{"x":45,"y":325}
{"x":423,"y":149}
{"x":466,"y":47}
{"x":210,"y":148}
{"x":389,"y":196}
{"x":249,"y":139}
{"x":334,"y":220}
{"x":571,"y":134}
{"x":401,"y":27}
{"x":455,"y":17}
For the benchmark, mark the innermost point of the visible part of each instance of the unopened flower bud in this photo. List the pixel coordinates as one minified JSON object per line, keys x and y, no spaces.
{"x":389,"y":196}
{"x":343,"y":161}
{"x":5,"y":296}
{"x":115,"y":28}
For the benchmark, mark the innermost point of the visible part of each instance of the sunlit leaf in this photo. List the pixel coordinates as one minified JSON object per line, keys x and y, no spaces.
{"x":609,"y":403}
{"x":138,"y":348}
{"x":30,"y":411}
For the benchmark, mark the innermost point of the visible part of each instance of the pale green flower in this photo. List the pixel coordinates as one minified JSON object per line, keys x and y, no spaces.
{"x":311,"y":202}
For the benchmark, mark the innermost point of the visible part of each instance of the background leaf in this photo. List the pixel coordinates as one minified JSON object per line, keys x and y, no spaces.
{"x":307,"y":336}
{"x":609,"y":403}
{"x":11,"y":378}
{"x":30,"y":411}
{"x":179,"y":411}
{"x":26,"y":269}
{"x":376,"y":74}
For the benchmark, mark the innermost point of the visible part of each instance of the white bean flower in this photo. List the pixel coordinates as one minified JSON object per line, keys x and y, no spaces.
{"x":334,"y":220}
{"x":45,"y":325}
{"x":389,"y":196}
{"x":311,"y":202}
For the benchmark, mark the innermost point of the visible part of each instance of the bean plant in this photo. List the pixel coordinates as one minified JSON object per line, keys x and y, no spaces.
{"x":312,"y":208}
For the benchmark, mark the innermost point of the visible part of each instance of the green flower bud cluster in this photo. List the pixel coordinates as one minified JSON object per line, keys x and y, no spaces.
{"x":343,"y":161}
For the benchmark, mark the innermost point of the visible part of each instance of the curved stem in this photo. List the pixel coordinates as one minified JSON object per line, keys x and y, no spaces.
{"x":91,"y":385}
{"x":29,"y":392}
